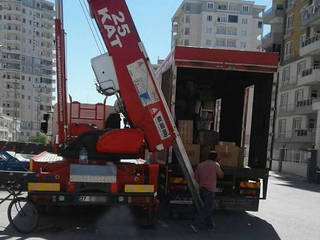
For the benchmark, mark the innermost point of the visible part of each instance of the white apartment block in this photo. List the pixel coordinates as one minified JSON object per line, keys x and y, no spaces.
{"x":298,"y":107}
{"x":227,"y":24}
{"x":9,"y":129}
{"x":27,"y":62}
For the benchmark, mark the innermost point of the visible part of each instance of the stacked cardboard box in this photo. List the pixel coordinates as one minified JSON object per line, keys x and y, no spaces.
{"x":229,"y":154}
{"x":193,"y":152}
{"x":209,"y":105}
{"x":186,"y":133}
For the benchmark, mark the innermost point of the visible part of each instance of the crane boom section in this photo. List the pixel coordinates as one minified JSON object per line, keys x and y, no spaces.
{"x":61,"y":81}
{"x":143,"y":102}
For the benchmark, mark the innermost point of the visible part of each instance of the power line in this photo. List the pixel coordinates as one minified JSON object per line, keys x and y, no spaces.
{"x":95,"y":28}
{"x":90,"y":27}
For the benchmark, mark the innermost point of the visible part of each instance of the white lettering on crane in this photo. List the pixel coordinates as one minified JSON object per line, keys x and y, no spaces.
{"x":113,"y":25}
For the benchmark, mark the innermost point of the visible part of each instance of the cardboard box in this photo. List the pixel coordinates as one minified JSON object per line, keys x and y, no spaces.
{"x":229,"y":154}
{"x":186,"y":131}
{"x":210,"y":138}
{"x":204,"y":152}
{"x":193,"y":151}
{"x":208,"y":105}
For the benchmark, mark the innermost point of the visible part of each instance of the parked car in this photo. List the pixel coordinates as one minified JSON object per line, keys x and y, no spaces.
{"x":11,"y":163}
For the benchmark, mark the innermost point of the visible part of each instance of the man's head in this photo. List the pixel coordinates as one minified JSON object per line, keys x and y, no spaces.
{"x":212,"y":155}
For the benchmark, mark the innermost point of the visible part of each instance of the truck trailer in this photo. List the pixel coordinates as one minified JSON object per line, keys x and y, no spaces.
{"x":240,"y":85}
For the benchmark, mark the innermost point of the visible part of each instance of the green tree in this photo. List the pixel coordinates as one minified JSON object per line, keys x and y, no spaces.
{"x":39,"y":138}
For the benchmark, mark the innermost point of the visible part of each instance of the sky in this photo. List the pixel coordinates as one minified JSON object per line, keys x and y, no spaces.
{"x":153,"y":21}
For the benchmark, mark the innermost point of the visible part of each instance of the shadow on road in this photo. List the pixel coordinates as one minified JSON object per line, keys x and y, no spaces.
{"x":296,"y":182}
{"x":120,"y":223}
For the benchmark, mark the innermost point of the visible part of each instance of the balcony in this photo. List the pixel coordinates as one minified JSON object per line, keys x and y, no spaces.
{"x":309,"y":77}
{"x":271,"y":39}
{"x":302,"y":107}
{"x":297,"y":135}
{"x":310,"y":46}
{"x":310,"y":15}
{"x":273,"y":15}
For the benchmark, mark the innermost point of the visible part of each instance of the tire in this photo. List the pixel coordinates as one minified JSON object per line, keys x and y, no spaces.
{"x":23,"y":215}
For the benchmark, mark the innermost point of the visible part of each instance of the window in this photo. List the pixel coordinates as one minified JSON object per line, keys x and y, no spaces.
{"x":221,"y":30}
{"x":301,"y":66}
{"x":260,"y":24}
{"x":243,"y":45}
{"x":282,"y":127}
{"x":244,"y":20}
{"x":284,"y":101}
{"x":209,"y":18}
{"x":210,"y":5}
{"x":312,"y":123}
{"x":188,"y":7}
{"x":289,"y":24}
{"x":221,"y":43}
{"x":286,"y":75}
{"x":287,"y":50}
{"x":187,"y":20}
{"x":209,"y":30}
{"x":314,"y":94}
{"x":297,"y":122}
{"x":221,"y":19}
{"x":298,"y":96}
{"x":231,"y":31}
{"x":243,"y":33}
{"x":231,"y":43}
{"x":222,"y":7}
{"x":232,"y":18}
{"x":208,"y":43}
{"x":233,"y":7}
{"x":186,"y":42}
{"x":245,"y":8}
{"x":187,"y":31}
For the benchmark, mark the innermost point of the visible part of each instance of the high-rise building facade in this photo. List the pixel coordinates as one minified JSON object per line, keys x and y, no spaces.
{"x":27,"y":62}
{"x":298,"y":108}
{"x":228,"y":24}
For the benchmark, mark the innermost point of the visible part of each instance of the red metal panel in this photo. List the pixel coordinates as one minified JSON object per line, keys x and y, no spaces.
{"x":205,"y":56}
{"x":138,"y":90}
{"x":120,"y":141}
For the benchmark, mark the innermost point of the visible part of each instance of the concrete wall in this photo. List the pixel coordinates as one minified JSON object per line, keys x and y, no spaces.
{"x":299,"y":169}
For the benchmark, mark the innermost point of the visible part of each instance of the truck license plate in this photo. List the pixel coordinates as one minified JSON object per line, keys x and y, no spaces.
{"x":93,"y":199}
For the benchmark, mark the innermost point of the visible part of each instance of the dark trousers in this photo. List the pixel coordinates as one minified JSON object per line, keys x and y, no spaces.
{"x":203,"y":218}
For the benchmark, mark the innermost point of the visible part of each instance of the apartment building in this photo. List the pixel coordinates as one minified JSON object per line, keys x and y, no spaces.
{"x":298,"y":119}
{"x":27,"y":60}
{"x":9,"y":129}
{"x":228,"y":24}
{"x":274,"y":17}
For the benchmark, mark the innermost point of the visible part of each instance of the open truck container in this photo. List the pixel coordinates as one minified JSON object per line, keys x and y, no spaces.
{"x":242,"y":84}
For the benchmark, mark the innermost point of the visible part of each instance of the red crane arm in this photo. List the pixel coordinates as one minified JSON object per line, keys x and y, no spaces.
{"x":61,"y":78}
{"x":144,"y":103}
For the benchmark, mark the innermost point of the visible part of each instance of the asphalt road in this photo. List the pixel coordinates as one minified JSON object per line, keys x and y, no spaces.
{"x":291,"y":212}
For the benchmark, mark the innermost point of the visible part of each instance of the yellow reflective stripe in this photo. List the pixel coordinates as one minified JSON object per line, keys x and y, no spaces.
{"x":50,"y":187}
{"x":139,"y":188}
{"x":31,"y":165}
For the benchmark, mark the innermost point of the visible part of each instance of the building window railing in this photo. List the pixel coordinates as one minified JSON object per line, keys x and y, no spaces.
{"x":309,"y":71}
{"x":311,"y":40}
{"x":310,"y":11}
